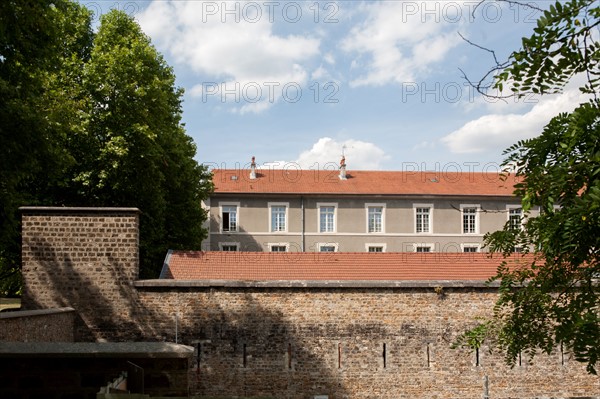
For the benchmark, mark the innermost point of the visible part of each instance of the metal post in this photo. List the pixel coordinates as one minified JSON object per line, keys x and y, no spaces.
{"x":486,"y":388}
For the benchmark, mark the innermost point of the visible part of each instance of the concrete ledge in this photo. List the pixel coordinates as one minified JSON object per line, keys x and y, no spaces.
{"x":139,"y":350}
{"x":29,"y":313}
{"x":167,"y":283}
{"x":67,"y":209}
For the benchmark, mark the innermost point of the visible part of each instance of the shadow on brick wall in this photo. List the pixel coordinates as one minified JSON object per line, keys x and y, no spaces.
{"x":244,"y":346}
{"x":98,"y":286}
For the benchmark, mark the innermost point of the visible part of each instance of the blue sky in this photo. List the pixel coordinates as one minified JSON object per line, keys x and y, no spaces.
{"x":299,"y":82}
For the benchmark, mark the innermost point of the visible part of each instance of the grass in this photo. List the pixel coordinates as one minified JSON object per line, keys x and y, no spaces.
{"x":10,"y":303}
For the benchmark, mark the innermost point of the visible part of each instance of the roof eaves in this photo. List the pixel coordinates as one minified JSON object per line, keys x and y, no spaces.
{"x":355,"y":194}
{"x":344,"y":284}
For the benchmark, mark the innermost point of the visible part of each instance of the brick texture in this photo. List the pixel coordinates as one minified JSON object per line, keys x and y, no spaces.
{"x":85,"y":259}
{"x":281,"y":342}
{"x":56,"y":325}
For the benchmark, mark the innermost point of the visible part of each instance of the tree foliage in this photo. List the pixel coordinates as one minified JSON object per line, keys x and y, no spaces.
{"x":553,"y":300}
{"x":564,"y":43}
{"x":92,"y":120}
{"x":137,"y":151}
{"x":29,"y":44}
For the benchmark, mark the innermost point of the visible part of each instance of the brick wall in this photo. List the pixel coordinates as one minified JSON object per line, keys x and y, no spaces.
{"x":52,"y":325}
{"x":297,"y":342}
{"x":85,"y":258}
{"x":282,"y":339}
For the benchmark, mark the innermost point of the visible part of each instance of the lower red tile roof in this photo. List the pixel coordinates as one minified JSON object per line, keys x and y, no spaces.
{"x":286,"y":266}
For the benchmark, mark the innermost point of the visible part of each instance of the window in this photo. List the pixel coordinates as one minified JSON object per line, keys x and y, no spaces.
{"x":423,"y":218}
{"x":470,"y":247}
{"x":327,"y":247}
{"x":515,"y":218}
{"x":423,"y":247}
{"x":229,"y":217}
{"x":470,"y":219}
{"x":375,"y":247}
{"x":327,"y":218}
{"x":278,"y":248}
{"x":229,"y":246}
{"x":278,"y":216}
{"x":375,"y":221}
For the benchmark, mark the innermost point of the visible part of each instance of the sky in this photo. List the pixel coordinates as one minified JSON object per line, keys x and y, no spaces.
{"x":299,"y":83}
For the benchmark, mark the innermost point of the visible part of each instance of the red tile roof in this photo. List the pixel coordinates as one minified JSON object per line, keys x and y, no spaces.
{"x":309,"y":266}
{"x":295,"y":181}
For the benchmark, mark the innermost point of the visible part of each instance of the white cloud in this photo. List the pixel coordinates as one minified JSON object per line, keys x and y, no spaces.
{"x":327,"y":151}
{"x":424,"y":145}
{"x":400,"y":41}
{"x":329,"y":58}
{"x":319,"y":73}
{"x":229,"y":49}
{"x":497,"y":131}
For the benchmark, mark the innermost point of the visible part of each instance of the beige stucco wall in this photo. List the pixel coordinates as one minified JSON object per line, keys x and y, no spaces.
{"x":350,"y":233}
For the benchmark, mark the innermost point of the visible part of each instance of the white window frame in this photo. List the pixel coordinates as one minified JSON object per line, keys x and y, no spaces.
{"x":237,"y":216}
{"x":377,"y":244}
{"x":424,"y":244}
{"x":430,"y":218}
{"x":335,"y":245}
{"x":279,"y":244}
{"x":512,"y":207}
{"x":236,"y":244}
{"x":335,"y":213}
{"x":375,"y":205}
{"x":470,"y":245}
{"x":287,"y":219}
{"x":462,"y":217}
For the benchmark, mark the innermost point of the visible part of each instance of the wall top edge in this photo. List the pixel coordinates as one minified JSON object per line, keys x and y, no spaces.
{"x":14,"y":314}
{"x":96,"y":349}
{"x":160,"y":283}
{"x":74,"y":209}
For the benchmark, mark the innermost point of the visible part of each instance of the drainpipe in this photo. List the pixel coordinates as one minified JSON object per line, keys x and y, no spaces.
{"x":302,"y":212}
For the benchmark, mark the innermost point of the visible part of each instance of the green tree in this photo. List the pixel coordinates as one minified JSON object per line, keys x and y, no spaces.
{"x":553,"y":300}
{"x":136,"y":152}
{"x":92,"y":120}
{"x":32,"y":38}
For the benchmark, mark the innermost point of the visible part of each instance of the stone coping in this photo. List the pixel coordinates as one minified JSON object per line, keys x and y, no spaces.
{"x":168,"y":283}
{"x":14,"y":314}
{"x":138,"y":350}
{"x":63,"y":209}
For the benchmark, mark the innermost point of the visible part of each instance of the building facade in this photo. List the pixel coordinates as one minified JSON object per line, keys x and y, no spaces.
{"x":296,"y":210}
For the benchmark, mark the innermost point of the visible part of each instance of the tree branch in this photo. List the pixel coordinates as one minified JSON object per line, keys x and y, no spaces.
{"x":533,"y":6}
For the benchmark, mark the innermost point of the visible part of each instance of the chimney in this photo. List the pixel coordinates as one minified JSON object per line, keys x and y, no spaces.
{"x":253,"y":169}
{"x":343,"y":168}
